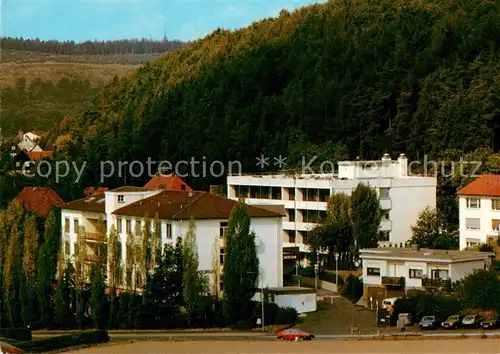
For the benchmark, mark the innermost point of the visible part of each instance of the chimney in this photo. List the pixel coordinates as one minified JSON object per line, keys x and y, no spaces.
{"x":403,"y":165}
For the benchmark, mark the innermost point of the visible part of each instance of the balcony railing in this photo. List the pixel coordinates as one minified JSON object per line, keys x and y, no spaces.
{"x":392,"y":281}
{"x":438,"y":283}
{"x":93,"y":236}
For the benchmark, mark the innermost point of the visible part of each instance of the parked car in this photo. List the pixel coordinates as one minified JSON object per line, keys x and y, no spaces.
{"x":294,"y":334}
{"x":452,"y":322}
{"x":428,"y":322}
{"x":472,"y":321}
{"x":8,"y":349}
{"x":491,"y":322}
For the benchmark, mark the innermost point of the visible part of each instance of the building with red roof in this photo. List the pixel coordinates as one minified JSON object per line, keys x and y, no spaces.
{"x":39,"y":200}
{"x":168,"y":182}
{"x":479,"y":211}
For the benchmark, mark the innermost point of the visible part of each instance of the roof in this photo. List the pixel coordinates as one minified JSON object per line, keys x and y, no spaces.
{"x":285,"y":290}
{"x":169,"y":182}
{"x":278,"y":209}
{"x":92,"y":203}
{"x":89,"y":191}
{"x":423,"y":254}
{"x":125,"y":189}
{"x":39,"y":200}
{"x":38,"y":155}
{"x":485,"y":185}
{"x":182,"y":205}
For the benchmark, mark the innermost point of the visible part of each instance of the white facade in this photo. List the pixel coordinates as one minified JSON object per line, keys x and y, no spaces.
{"x":402,"y":196}
{"x":268,"y":231}
{"x":415,"y":266}
{"x":479,"y":219}
{"x":303,"y":302}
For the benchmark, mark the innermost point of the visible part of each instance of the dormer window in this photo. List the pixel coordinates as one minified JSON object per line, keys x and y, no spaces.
{"x":121,"y":199}
{"x":183,"y":187}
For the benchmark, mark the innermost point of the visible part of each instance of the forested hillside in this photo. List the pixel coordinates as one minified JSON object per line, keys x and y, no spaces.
{"x":42,"y":81}
{"x":370,"y":76}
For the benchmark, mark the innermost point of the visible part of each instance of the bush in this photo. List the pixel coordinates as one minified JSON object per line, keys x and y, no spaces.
{"x":331,"y":277}
{"x":353,"y":289}
{"x":242,"y":325}
{"x":307,"y":272}
{"x":271,"y":311}
{"x":286,"y":315}
{"x":66,"y":341}
{"x":23,"y":334}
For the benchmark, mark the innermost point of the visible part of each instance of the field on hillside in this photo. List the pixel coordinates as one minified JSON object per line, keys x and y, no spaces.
{"x":455,"y":346}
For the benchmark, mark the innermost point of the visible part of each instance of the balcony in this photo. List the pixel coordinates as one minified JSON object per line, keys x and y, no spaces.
{"x":392,"y":281}
{"x":434,"y":283}
{"x":94,"y":258}
{"x":94,"y":236}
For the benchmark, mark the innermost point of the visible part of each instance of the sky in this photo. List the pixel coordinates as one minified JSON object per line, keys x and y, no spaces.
{"x":81,"y":20}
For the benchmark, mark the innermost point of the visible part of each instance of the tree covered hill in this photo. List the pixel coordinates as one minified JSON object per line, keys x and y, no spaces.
{"x":43,"y":81}
{"x":356,"y":78}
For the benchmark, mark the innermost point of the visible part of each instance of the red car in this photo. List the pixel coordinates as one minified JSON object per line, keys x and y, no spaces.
{"x":294,"y":334}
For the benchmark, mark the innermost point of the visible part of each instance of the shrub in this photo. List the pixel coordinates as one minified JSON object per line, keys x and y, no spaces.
{"x":286,"y":315}
{"x":242,"y":325}
{"x":307,"y":272}
{"x":271,"y":311}
{"x":23,"y":334}
{"x":331,"y":277}
{"x":353,"y":289}
{"x":66,"y":341}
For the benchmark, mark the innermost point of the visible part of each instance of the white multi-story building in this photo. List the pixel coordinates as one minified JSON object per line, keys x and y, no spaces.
{"x":128,"y":209}
{"x":479,"y":211}
{"x":304,"y":196}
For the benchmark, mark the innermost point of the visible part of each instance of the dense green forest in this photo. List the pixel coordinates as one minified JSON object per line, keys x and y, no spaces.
{"x":125,"y":46}
{"x":364,"y":77}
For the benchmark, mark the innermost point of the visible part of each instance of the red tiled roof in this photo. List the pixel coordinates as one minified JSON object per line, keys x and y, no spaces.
{"x":89,"y":191}
{"x":168,"y":182}
{"x":182,"y":205}
{"x":485,"y":185}
{"x":38,"y":155}
{"x":39,"y":200}
{"x":94,"y":204}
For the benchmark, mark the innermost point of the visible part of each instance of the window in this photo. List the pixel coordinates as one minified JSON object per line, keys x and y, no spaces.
{"x":305,"y":238}
{"x":495,"y":223}
{"x":495,"y":204}
{"x":119,"y":225}
{"x":276,"y":193}
{"x":66,"y":225}
{"x":386,"y":214}
{"x":291,"y":214}
{"x":291,"y":193}
{"x":138,"y":230}
{"x":66,"y":248}
{"x":384,"y":235}
{"x":128,"y":226}
{"x":416,"y":273}
{"x":473,"y":223}
{"x":223,"y":229}
{"x":169,"y":231}
{"x":221,"y":256}
{"x":473,"y":203}
{"x":121,"y":198}
{"x":75,"y":226}
{"x":384,"y":193}
{"x":221,"y":283}
{"x":441,"y":274}
{"x":324,"y":195}
{"x":373,"y":271}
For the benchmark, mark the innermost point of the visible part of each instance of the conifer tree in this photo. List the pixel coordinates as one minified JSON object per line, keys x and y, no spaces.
{"x":98,"y":294}
{"x":366,"y":216}
{"x":241,"y":265}
{"x":63,"y":311}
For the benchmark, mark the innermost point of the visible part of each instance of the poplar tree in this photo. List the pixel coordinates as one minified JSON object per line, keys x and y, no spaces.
{"x":28,"y":278}
{"x":138,"y":256}
{"x":46,"y":268}
{"x":115,"y":271}
{"x":63,"y":310}
{"x":241,"y":264}
{"x":191,"y":276}
{"x":216,"y":266}
{"x":129,"y":259}
{"x":98,"y":294}
{"x":366,"y":216}
{"x":157,"y":244}
{"x":80,"y":276}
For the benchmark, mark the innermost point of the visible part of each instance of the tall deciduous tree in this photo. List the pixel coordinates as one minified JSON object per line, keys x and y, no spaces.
{"x":216,"y":266}
{"x":63,"y":311}
{"x":241,"y":265}
{"x":156,"y":251}
{"x":366,"y":216}
{"x":98,"y":294}
{"x":428,"y":232}
{"x":28,"y":279}
{"x":138,"y":255}
{"x":115,"y":265}
{"x":129,"y":258}
{"x":80,"y":276}
{"x":191,"y":276}
{"x":47,"y":266}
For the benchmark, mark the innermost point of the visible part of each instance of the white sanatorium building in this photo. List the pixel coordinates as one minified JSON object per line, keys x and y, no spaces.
{"x":126,"y":207}
{"x":402,"y":196}
{"x":479,"y":211}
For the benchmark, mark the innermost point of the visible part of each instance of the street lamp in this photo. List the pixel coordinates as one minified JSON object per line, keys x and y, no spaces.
{"x":336,"y":269}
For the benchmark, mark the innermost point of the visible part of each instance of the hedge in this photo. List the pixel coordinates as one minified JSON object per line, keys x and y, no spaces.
{"x":23,"y":334}
{"x":65,"y":341}
{"x":286,"y":315}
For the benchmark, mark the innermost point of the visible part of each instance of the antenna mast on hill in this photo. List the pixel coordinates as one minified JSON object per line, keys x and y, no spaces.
{"x":164,"y":33}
